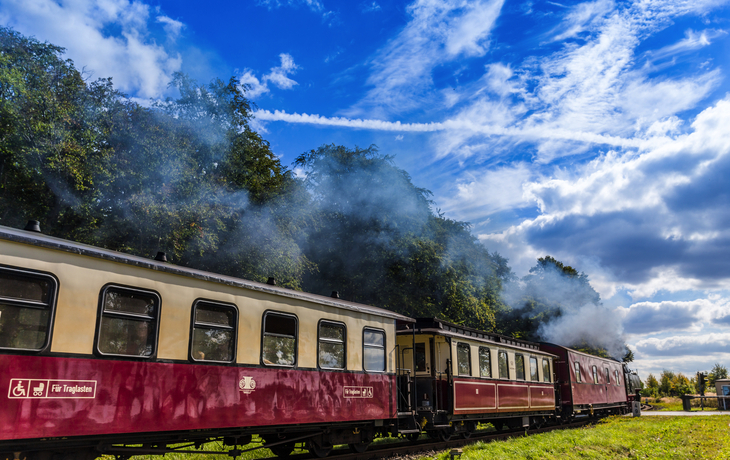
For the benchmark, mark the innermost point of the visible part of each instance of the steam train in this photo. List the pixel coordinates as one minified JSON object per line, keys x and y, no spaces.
{"x":107,"y":353}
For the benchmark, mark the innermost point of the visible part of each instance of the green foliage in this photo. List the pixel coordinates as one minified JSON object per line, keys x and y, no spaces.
{"x":540,"y":298}
{"x":718,"y":372}
{"x":674,"y":384}
{"x":375,"y":240}
{"x":651,"y":389}
{"x":187,"y":176}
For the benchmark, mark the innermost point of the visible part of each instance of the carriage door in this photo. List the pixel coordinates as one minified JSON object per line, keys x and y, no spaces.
{"x":442,"y":366}
{"x":423,"y":359}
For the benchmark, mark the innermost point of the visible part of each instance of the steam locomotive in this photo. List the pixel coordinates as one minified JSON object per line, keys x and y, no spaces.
{"x":107,"y":353}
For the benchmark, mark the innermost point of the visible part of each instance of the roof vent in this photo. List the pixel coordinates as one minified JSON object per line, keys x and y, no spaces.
{"x":335,"y":294}
{"x":33,"y":226}
{"x":161,"y":257}
{"x":271,"y":281}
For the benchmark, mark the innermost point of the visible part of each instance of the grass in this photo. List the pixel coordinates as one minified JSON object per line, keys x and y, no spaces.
{"x":617,"y":438}
{"x":613,"y":438}
{"x":208,"y":447}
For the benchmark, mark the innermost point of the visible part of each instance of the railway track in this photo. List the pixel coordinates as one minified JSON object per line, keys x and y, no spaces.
{"x":409,"y":448}
{"x":384,"y":450}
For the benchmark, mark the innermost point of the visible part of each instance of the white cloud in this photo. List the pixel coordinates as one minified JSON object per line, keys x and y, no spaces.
{"x":437,"y":32}
{"x":132,"y":57}
{"x":581,"y":16}
{"x":171,"y":26}
{"x":692,"y":41}
{"x":278,"y":76}
{"x":314,"y":5}
{"x":685,"y":345}
{"x":370,"y":7}
{"x":482,"y":194}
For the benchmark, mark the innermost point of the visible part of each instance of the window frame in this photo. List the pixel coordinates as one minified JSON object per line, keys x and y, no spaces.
{"x":577,"y":372}
{"x":20,"y":303}
{"x":595,"y":375}
{"x":608,"y":377}
{"x":537,"y":370}
{"x":296,"y":338}
{"x":463,"y":345}
{"x":320,"y":339}
{"x":547,"y":377}
{"x":100,"y":316}
{"x":385,"y":347}
{"x":417,"y":355}
{"x":618,"y":377}
{"x":234,"y":328}
{"x":517,"y":370}
{"x":489,"y":361}
{"x":501,"y":353}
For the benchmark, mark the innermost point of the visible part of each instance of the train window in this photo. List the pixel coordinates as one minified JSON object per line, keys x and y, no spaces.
{"x":463,"y":358}
{"x":421,"y":357}
{"x":373,"y":350}
{"x":485,"y":362}
{"x":26,"y":305}
{"x":213,"y":332}
{"x":618,"y":379}
{"x":503,"y":365}
{"x":331,"y":345}
{"x":576,"y":365}
{"x":279,"y":339}
{"x":595,"y":374}
{"x":608,"y":377}
{"x":520,"y":367}
{"x":128,"y":323}
{"x":533,"y":369}
{"x":546,"y":374}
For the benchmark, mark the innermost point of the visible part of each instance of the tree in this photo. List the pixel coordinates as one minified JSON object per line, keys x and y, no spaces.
{"x":718,"y":372}
{"x":49,"y":147}
{"x":542,"y":296}
{"x":187,"y":176}
{"x":652,"y":387}
{"x":375,"y":239}
{"x":629,"y":356}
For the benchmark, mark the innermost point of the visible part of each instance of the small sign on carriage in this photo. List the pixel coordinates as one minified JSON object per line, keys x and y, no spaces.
{"x":43,"y":389}
{"x":358,"y":392}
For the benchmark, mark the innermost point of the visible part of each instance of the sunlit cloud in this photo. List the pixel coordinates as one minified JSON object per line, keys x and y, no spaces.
{"x":133,"y":57}
{"x":278,"y":76}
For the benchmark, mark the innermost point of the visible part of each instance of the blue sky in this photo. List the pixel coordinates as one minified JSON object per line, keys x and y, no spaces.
{"x":596,"y":132}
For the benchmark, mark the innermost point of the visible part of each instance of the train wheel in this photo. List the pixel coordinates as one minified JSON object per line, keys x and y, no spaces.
{"x":445,"y":435}
{"x":359,"y":447}
{"x":471,"y":427}
{"x":282,"y":450}
{"x":413,"y":437}
{"x":318,"y":451}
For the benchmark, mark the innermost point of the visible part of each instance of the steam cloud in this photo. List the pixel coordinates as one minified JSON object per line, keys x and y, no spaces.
{"x":568,"y":309}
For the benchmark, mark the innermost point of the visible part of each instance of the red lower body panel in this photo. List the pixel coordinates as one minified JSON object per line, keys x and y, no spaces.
{"x":54,"y":397}
{"x":485,"y":396}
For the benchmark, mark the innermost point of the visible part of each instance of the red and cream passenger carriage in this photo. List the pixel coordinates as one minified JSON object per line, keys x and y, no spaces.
{"x":462,"y":376}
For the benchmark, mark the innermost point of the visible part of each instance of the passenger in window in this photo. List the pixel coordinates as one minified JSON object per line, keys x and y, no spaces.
{"x":139,"y":345}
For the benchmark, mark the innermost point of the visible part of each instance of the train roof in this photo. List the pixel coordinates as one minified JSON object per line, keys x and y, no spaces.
{"x":446,"y":328}
{"x":40,"y":240}
{"x":568,"y":349}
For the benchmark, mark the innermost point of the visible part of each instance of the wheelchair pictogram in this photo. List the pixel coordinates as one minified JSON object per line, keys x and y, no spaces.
{"x":19,"y":390}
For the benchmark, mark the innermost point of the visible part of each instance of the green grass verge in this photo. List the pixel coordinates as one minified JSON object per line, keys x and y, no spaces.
{"x":617,"y":438}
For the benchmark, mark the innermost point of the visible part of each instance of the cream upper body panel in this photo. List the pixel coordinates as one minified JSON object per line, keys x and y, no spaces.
{"x":81,"y":279}
{"x":490,"y":348}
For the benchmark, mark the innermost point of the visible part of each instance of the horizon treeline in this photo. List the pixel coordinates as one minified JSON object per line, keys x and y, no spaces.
{"x":190,"y":177}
